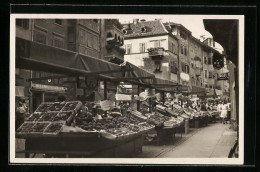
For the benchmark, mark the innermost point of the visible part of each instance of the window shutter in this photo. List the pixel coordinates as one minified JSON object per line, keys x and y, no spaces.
{"x":140,"y":48}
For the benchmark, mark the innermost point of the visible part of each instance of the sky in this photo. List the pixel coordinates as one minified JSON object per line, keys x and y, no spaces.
{"x":194,"y":23}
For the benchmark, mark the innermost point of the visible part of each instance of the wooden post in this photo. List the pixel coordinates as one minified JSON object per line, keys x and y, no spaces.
{"x":150,"y":105}
{"x":105,"y":90}
{"x":163,"y":97}
{"x":138,"y":102}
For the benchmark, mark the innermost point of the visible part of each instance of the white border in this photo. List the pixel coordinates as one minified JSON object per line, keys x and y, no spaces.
{"x":170,"y":161}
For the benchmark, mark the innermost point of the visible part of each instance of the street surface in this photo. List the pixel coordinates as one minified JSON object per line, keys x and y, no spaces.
{"x":212,"y":141}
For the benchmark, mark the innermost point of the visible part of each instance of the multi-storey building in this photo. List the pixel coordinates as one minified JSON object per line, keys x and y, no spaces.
{"x":24,"y":31}
{"x":222,"y":85}
{"x":150,"y":45}
{"x":183,"y":35}
{"x":84,"y":36}
{"x":112,"y":38}
{"x":196,"y":59}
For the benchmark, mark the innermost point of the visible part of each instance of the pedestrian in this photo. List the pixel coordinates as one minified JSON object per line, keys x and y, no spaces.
{"x":223,"y":114}
{"x":21,"y":109}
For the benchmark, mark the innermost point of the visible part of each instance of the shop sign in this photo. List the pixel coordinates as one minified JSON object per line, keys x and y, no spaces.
{"x":106,"y":104}
{"x":223,"y":76}
{"x":123,"y":97}
{"x":218,"y":61}
{"x":185,"y":76}
{"x":48,"y":87}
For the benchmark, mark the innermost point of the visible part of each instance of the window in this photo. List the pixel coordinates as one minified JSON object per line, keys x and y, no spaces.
{"x":185,"y":50}
{"x":187,"y":68}
{"x":206,"y":86}
{"x":182,"y":49}
{"x":173,"y":48}
{"x":156,"y":44}
{"x":95,"y":20}
{"x":128,"y":48}
{"x":40,"y":36}
{"x":215,"y":76}
{"x":192,"y":66}
{"x":210,"y":75}
{"x":71,"y":34}
{"x":143,"y":29}
{"x":142,"y":47}
{"x":109,"y":35}
{"x":115,"y":36}
{"x":206,"y":73}
{"x":205,"y":60}
{"x":24,"y":23}
{"x":58,"y":21}
{"x":157,"y":66}
{"x":209,"y":61}
{"x":183,"y":36}
{"x":58,"y":43}
{"x":174,"y":68}
{"x":183,"y":67}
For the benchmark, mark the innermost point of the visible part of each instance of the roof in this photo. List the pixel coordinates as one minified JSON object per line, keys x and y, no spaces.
{"x":181,"y":26}
{"x":153,"y":28}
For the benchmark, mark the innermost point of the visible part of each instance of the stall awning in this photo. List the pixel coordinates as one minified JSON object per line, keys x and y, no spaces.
{"x":211,"y":93}
{"x":218,"y":92}
{"x":199,"y":91}
{"x":169,"y":86}
{"x":35,"y":56}
{"x":138,"y":72}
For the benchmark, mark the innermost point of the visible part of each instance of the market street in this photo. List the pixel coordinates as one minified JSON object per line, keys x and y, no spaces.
{"x":212,"y":141}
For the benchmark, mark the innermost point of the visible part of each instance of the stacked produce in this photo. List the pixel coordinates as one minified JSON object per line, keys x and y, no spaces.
{"x":49,"y":118}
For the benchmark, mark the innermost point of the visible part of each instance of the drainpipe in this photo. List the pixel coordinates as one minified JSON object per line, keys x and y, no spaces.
{"x":178,"y":58}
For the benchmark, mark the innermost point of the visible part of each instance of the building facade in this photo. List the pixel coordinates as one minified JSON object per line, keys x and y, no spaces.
{"x":149,"y":45}
{"x":222,"y":85}
{"x":183,"y":36}
{"x":84,"y":36}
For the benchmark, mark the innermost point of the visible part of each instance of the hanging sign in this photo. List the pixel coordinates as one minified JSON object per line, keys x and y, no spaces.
{"x":223,"y":76}
{"x":218,"y":61}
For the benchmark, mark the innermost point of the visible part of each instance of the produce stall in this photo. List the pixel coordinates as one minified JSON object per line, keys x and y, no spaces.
{"x":68,"y":129}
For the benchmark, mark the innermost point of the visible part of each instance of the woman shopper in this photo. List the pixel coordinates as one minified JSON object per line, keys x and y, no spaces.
{"x":223,"y":114}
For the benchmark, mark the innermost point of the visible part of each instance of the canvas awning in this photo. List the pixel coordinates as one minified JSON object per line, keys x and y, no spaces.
{"x":199,"y":91}
{"x":138,"y":72}
{"x":35,"y":56}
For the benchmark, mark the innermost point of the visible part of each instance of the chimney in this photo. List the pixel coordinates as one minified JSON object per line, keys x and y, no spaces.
{"x":135,"y":21}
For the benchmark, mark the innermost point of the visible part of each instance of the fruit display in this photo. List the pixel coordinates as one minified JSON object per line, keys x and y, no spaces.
{"x":138,"y":114}
{"x":25,"y":127}
{"x":57,"y":106}
{"x":48,"y":116}
{"x":44,"y":107}
{"x":33,"y":117}
{"x":62,"y":116}
{"x":70,"y":106}
{"x":54,"y":128}
{"x":39,"y":127}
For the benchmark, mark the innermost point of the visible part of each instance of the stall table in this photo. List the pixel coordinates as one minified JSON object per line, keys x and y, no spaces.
{"x":82,"y":145}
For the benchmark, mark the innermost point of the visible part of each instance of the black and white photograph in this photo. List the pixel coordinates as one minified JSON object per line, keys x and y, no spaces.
{"x":126,"y":88}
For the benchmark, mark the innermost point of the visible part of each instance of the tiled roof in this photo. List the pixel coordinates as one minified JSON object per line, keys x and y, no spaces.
{"x":152,"y":28}
{"x":181,"y":26}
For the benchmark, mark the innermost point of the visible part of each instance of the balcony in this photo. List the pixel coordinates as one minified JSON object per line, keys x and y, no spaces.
{"x":156,"y":53}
